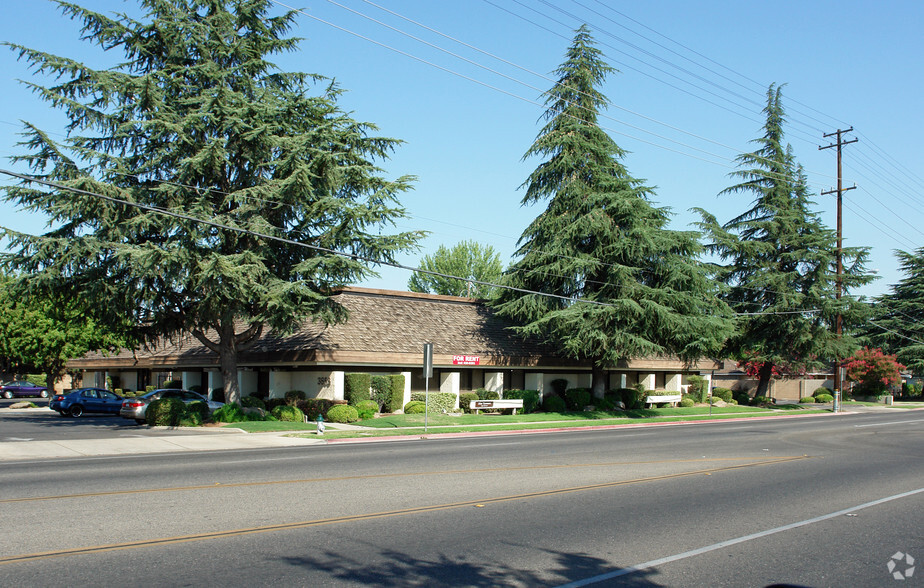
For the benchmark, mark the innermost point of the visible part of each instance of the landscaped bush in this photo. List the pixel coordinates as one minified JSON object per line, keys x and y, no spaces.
{"x":631,"y":398}
{"x":196,"y":388}
{"x":342,"y":413}
{"x":272,"y":403}
{"x":293,"y":397}
{"x":466,"y":399}
{"x":559,"y":386}
{"x":530,"y":399}
{"x":554,"y":404}
{"x":439,"y":401}
{"x":697,"y":389}
{"x":380,"y":391}
{"x":253,"y":402}
{"x":366,"y":409}
{"x":396,"y":393}
{"x":742,"y":397}
{"x":357,"y":387}
{"x":199,"y":408}
{"x":604,"y":405}
{"x":807,"y":400}
{"x":761,"y":401}
{"x":686,"y":402}
{"x":165,"y":412}
{"x":415,"y":407}
{"x":487,"y":394}
{"x":577,"y":398}
{"x":229,"y":413}
{"x":312,"y":407}
{"x":823,"y":398}
{"x":173,"y":384}
{"x":289,"y":413}
{"x":724,"y":393}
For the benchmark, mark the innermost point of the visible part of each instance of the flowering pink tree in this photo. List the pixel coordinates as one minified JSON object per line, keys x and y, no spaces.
{"x":873,"y":371}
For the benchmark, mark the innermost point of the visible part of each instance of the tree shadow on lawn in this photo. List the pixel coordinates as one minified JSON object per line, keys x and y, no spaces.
{"x":403,"y":569}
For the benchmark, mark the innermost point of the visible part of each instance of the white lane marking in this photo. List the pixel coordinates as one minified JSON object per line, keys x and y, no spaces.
{"x":891,"y":423}
{"x":723,"y":544}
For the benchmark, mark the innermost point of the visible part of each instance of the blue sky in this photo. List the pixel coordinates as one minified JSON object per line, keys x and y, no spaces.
{"x":687,"y":100}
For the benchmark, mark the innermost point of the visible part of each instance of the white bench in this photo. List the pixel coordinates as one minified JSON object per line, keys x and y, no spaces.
{"x":672,"y":399}
{"x":479,"y":405}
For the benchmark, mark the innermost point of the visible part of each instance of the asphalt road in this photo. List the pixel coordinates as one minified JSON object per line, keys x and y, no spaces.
{"x":48,"y":425}
{"x":809,"y":501}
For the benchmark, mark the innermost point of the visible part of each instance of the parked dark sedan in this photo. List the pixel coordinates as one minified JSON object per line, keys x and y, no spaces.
{"x":23,"y":388}
{"x":77,"y":402}
{"x":135,"y":408}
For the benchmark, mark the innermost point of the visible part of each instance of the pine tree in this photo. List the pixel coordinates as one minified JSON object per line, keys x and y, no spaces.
{"x":898,"y":323}
{"x":195,"y":119}
{"x":779,"y":262}
{"x":626,"y":286}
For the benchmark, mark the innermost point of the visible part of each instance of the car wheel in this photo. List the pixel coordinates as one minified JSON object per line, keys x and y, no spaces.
{"x":76,"y":410}
{"x":7,"y":394}
{"x":44,"y":393}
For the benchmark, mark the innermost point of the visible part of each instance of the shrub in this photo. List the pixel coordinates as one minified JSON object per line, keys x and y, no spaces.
{"x":686,"y":402}
{"x":396,"y":393}
{"x":807,"y":400}
{"x":366,"y":409}
{"x":439,"y":401}
{"x":466,"y":399}
{"x":604,"y":405}
{"x":742,"y":397}
{"x":272,"y":403}
{"x":554,"y":404}
{"x":312,"y":407}
{"x":530,"y":399}
{"x":577,"y":398}
{"x":173,"y":384}
{"x":289,"y":413}
{"x":229,"y":413}
{"x":380,"y":391}
{"x":559,"y":386}
{"x":199,"y":408}
{"x":415,"y":407}
{"x":253,"y":402}
{"x":823,"y":398}
{"x":342,"y":413}
{"x":697,"y":389}
{"x":631,"y":398}
{"x":487,"y":394}
{"x":356,"y":387}
{"x":165,"y":412}
{"x":294,"y":396}
{"x":761,"y":401}
{"x":724,"y":393}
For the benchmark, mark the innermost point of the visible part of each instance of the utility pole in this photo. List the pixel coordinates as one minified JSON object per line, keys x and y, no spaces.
{"x":838,"y":324}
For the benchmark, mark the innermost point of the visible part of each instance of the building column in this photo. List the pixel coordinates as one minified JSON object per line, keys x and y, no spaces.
{"x":673,"y":382}
{"x":336,"y":380}
{"x":494,"y":381}
{"x":449,"y":382}
{"x":407,"y":389}
{"x":648,"y":381}
{"x":535,"y":381}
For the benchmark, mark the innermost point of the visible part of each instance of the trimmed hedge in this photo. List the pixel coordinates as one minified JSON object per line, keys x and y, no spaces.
{"x":577,"y":398}
{"x":165,"y":412}
{"x":173,"y":384}
{"x":439,"y":401}
{"x":396,"y":393}
{"x":823,"y":398}
{"x":357,"y":387}
{"x":724,"y":393}
{"x":253,"y":402}
{"x":366,"y":409}
{"x":530,"y":399}
{"x":807,"y":400}
{"x":632,"y":398}
{"x":380,"y":391}
{"x":487,"y":394}
{"x":554,"y":404}
{"x":342,"y":413}
{"x":312,"y":407}
{"x":466,"y":399}
{"x":687,"y":402}
{"x":293,"y":397}
{"x":289,"y":414}
{"x":415,"y":407}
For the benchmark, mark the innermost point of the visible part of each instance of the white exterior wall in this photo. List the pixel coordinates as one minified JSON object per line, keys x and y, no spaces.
{"x":247,"y":382}
{"x":535,"y":381}
{"x":672,"y":382}
{"x":315,"y":384}
{"x":279,"y":383}
{"x":215,"y":381}
{"x":407,"y":388}
{"x":190,"y":379}
{"x":648,"y":381}
{"x":449,"y":382}
{"x":494,"y":381}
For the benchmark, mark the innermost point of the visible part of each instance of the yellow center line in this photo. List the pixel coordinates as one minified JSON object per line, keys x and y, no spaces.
{"x":219,"y":485}
{"x":30,"y":557}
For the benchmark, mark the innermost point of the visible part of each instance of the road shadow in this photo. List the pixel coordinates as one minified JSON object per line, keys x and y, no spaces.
{"x":54,"y":420}
{"x":402,"y":569}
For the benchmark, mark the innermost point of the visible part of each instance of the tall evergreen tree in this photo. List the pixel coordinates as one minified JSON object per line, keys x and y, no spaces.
{"x":898,"y":316}
{"x":626,"y":285}
{"x":468,"y":260}
{"x":779,"y":262}
{"x":195,"y":119}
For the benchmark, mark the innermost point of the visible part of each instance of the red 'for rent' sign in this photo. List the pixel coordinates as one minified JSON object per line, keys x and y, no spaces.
{"x":466,"y":360}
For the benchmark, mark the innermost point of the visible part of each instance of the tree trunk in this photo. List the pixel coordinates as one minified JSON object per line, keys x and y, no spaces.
{"x":228,"y":362}
{"x":763,"y":379}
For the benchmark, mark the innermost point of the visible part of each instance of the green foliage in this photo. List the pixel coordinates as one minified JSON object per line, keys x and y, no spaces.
{"x":824,"y":398}
{"x":724,"y":393}
{"x":599,"y":239}
{"x":173,"y":384}
{"x":200,"y":409}
{"x":357,"y":387}
{"x":234,"y":413}
{"x":577,"y":398}
{"x":196,"y":388}
{"x":289,"y":413}
{"x":554,"y":403}
{"x":761,"y":401}
{"x":312,"y":407}
{"x":272,"y":403}
{"x":187,"y":91}
{"x":253,"y":402}
{"x":911,"y":390}
{"x":380,"y":391}
{"x":366,"y":409}
{"x":439,"y":401}
{"x":807,"y":400}
{"x":342,"y":413}
{"x":415,"y":407}
{"x":742,"y":397}
{"x":530,"y":399}
{"x":467,"y":260}
{"x":396,"y":393}
{"x":165,"y":412}
{"x":687,"y":402}
{"x":465,"y":401}
{"x":897,"y":325}
{"x":487,"y":394}
{"x":631,"y":398}
{"x":293,"y":397}
{"x":779,"y":262}
{"x":559,"y":386}
{"x":698,"y":388}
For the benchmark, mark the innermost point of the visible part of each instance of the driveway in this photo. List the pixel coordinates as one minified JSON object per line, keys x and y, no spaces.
{"x":44,"y":424}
